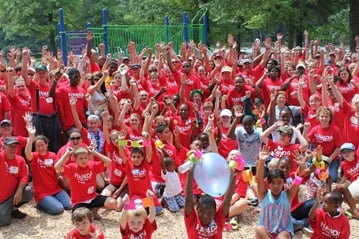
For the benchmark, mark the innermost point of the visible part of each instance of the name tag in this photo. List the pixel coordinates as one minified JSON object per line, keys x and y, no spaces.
{"x":49,"y":100}
{"x":91,"y":190}
{"x":13,"y":170}
{"x":48,"y":162}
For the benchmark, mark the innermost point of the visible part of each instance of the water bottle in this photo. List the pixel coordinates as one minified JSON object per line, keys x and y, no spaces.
{"x":185,"y":167}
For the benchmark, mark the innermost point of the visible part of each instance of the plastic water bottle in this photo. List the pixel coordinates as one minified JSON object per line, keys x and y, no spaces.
{"x":185,"y":167}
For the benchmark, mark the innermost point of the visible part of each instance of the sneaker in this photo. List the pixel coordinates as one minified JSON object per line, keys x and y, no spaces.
{"x":17,"y":214}
{"x":308,"y":230}
{"x":253,"y":202}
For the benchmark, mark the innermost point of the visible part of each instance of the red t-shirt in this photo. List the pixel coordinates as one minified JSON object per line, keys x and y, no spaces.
{"x":351,"y":129}
{"x":280,"y":151}
{"x":155,"y":172}
{"x":329,"y":138}
{"x":83,"y":180}
{"x":20,"y":105}
{"x":12,"y":172}
{"x":192,"y":83}
{"x":351,"y":169}
{"x":236,"y":97}
{"x":184,"y":127}
{"x":340,"y":112}
{"x":64,"y":94}
{"x":195,"y":229}
{"x":43,"y":175}
{"x":138,"y":179}
{"x":293,"y":92}
{"x":117,"y":170}
{"x":74,"y":233}
{"x":328,"y":227}
{"x":348,"y":90}
{"x":144,"y":233}
{"x":267,"y":86}
{"x":310,"y":116}
{"x":46,"y":103}
{"x":4,"y":105}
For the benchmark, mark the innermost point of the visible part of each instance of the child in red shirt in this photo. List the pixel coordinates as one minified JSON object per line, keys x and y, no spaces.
{"x":206,"y":221}
{"x":134,"y":222}
{"x":327,"y":222}
{"x":82,"y":218}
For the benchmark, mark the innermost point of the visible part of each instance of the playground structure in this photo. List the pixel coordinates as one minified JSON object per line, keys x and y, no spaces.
{"x":117,"y":37}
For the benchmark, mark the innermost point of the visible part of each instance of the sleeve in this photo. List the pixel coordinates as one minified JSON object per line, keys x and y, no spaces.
{"x":24,"y":176}
{"x":6,"y":103}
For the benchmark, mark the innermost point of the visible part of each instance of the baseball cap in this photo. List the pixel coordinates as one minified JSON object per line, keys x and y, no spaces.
{"x":5,"y":121}
{"x":247,"y":60}
{"x":10,"y":140}
{"x":258,"y":101}
{"x":349,"y":146}
{"x":226,"y":69}
{"x":41,"y":67}
{"x":286,"y":129}
{"x":226,"y":112}
{"x":217,"y":55}
{"x":135,"y":66}
{"x":300,"y":65}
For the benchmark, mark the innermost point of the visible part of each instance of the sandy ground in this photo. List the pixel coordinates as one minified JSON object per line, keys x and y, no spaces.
{"x":42,"y":226}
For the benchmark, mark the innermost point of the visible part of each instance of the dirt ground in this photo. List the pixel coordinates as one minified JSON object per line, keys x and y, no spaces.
{"x":42,"y":226}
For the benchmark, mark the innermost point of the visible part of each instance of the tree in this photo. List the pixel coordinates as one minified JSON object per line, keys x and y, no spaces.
{"x":353,"y":23}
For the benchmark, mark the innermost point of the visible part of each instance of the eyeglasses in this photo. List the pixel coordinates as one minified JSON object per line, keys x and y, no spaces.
{"x":75,"y":138}
{"x":186,"y":66}
{"x":173,"y":62}
{"x":5,"y":126}
{"x":30,"y":74}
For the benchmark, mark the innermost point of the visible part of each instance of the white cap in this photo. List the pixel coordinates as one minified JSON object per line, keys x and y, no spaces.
{"x":226,"y":112}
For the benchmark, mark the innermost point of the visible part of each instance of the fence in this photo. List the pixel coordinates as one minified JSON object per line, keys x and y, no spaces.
{"x":117,"y":37}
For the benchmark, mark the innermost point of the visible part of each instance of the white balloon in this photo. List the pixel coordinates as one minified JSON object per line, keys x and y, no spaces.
{"x":212,"y":174}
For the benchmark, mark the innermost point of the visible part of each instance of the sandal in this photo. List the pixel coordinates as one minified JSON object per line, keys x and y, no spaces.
{"x":234,"y":223}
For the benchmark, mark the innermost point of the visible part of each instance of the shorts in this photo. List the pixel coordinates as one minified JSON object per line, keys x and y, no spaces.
{"x":98,"y":201}
{"x":354,"y":190}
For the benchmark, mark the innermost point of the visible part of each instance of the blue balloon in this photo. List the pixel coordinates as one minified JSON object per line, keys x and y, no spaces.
{"x":212,"y":174}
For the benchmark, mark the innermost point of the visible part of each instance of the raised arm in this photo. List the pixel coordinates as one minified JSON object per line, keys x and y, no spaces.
{"x":262,"y":158}
{"x":28,"y":148}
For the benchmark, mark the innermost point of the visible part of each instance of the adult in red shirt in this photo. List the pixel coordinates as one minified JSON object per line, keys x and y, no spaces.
{"x":347,"y":86}
{"x":13,"y":176}
{"x":49,"y":196}
{"x":20,"y":100}
{"x":329,"y":137}
{"x":351,"y":123}
{"x":45,"y":118}
{"x":6,"y":130}
{"x":269,"y":83}
{"x":237,"y":94}
{"x":64,"y":94}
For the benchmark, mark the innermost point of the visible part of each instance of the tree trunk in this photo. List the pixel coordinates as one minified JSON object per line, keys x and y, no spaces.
{"x":53,"y":48}
{"x":291,"y":31}
{"x":353,"y":23}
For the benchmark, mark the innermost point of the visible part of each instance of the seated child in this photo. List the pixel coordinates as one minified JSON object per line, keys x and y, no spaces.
{"x":172,"y":196}
{"x":82,"y":218}
{"x":134,"y":222}
{"x":82,"y":175}
{"x":274,"y":202}
{"x":328,"y":222}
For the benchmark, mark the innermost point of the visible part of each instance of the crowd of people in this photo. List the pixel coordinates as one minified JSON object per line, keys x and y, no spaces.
{"x":111,"y":133}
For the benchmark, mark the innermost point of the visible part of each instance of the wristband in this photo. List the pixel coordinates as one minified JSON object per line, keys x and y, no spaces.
{"x":146,"y":142}
{"x":298,"y":180}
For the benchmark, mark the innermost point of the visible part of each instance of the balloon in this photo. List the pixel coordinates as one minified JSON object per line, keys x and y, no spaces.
{"x":212,"y":174}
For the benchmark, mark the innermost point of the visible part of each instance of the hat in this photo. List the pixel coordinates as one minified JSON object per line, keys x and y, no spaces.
{"x":258,"y":101}
{"x":317,"y":55}
{"x":339,"y":64}
{"x":286,"y":129}
{"x":135,"y":66}
{"x":195,"y":91}
{"x":125,"y":58}
{"x":41,"y":67}
{"x":5,"y":121}
{"x":326,"y":159}
{"x":10,"y":140}
{"x":247,"y":60}
{"x":300,"y":65}
{"x":226,"y":69}
{"x":327,"y":62}
{"x":226,"y":112}
{"x":332,"y":53}
{"x":349,"y":146}
{"x":217,"y":54}
{"x":240,"y":63}
{"x":31,"y":69}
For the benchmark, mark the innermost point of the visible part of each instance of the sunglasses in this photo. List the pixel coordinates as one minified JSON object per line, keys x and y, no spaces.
{"x":30,"y":74}
{"x":186,"y":66}
{"x":75,"y":138}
